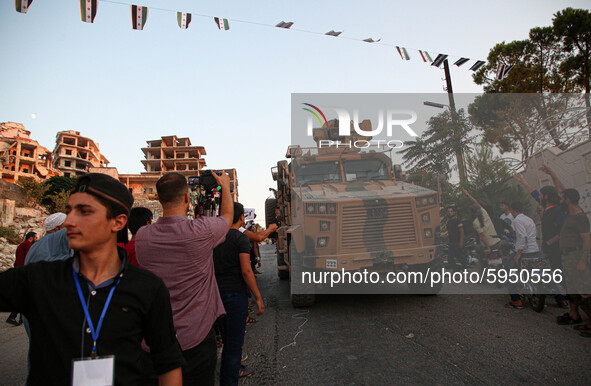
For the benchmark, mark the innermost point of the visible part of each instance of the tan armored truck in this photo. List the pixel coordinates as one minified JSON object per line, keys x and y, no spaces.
{"x":342,"y":208}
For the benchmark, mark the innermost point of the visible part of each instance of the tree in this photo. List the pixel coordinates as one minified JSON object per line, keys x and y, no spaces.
{"x":434,"y":152}
{"x":525,"y":123}
{"x":55,"y":186}
{"x":573,"y":27}
{"x":489,"y":181}
{"x":34,"y":190}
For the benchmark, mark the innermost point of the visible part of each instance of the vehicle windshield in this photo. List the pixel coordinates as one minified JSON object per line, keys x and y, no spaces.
{"x":365,"y":169}
{"x":318,"y":172}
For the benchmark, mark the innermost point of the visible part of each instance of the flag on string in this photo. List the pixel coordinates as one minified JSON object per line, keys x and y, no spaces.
{"x":88,"y":10}
{"x":22,"y":6}
{"x":284,"y":24}
{"x":439,"y":60}
{"x":503,"y":71}
{"x":139,"y":15}
{"x":370,"y":40}
{"x":333,"y":33}
{"x":461,"y":61}
{"x":425,"y":56}
{"x":402,"y":52}
{"x":222,"y":23}
{"x":184,"y":19}
{"x":477,"y":65}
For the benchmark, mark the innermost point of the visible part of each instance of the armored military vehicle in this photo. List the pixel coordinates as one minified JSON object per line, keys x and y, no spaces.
{"x":342,"y":208}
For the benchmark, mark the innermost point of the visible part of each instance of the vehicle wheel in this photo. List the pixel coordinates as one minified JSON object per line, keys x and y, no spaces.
{"x":270,"y":217}
{"x":299,"y":301}
{"x":537,"y":302}
{"x":282,"y":273}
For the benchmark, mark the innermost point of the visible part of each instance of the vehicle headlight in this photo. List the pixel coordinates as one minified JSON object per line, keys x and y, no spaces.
{"x":322,"y":242}
{"x":322,"y":209}
{"x":310,"y":208}
{"x":426,"y":217}
{"x":428,"y":233}
{"x":332,"y":208}
{"x":324,"y":226}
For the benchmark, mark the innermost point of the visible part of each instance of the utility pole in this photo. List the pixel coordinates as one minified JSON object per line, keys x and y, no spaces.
{"x":454,"y":119}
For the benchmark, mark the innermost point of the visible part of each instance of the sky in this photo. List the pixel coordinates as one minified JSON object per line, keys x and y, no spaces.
{"x":230,"y":91}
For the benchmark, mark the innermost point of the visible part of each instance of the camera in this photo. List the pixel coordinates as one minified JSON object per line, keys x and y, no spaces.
{"x":207,"y":194}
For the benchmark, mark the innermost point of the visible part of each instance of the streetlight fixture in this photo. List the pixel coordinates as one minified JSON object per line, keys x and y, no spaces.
{"x":434,"y":104}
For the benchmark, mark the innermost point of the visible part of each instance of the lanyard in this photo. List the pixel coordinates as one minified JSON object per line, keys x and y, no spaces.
{"x":548,"y":208}
{"x":95,"y":333}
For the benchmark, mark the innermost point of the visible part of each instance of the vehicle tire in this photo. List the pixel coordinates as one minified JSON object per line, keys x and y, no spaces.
{"x":300,"y":301}
{"x":537,"y":302}
{"x":270,"y":217}
{"x":282,"y":273}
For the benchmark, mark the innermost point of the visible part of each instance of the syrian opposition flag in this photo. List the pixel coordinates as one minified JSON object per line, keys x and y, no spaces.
{"x":503,"y":71}
{"x":139,"y":15}
{"x":22,"y":6}
{"x":88,"y":10}
{"x":403,"y":53}
{"x":333,"y":33}
{"x":461,"y":61}
{"x":439,"y":60}
{"x":477,"y":65}
{"x":425,"y":56}
{"x":183,"y":19}
{"x":222,"y":23}
{"x":284,"y":24}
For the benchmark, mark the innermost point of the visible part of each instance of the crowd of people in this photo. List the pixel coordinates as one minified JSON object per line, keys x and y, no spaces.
{"x":565,"y":243}
{"x":146,"y":309}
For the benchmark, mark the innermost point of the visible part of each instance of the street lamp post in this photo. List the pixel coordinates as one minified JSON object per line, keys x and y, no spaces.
{"x":454,"y":119}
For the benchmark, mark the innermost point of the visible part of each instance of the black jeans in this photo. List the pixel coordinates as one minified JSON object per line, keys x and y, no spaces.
{"x":232,"y":327}
{"x":199,"y":367}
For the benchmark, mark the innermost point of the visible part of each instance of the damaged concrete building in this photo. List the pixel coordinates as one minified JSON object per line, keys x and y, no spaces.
{"x":22,"y":157}
{"x":75,"y":154}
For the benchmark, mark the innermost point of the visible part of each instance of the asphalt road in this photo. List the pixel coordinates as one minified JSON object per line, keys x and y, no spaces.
{"x":388,"y":339}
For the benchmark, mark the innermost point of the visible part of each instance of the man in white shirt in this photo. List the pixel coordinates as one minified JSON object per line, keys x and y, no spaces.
{"x":506,"y":216}
{"x":525,"y":244}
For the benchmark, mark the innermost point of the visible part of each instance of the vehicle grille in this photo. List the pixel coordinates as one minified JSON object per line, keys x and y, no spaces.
{"x":389,"y":225}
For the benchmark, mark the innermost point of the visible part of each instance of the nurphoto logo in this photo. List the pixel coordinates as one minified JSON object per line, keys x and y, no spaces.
{"x":389,"y":120}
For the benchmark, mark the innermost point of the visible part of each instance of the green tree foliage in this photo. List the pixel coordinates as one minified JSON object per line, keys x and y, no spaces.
{"x":34,"y":190}
{"x":57,"y":185}
{"x":59,"y":201}
{"x":524,"y":123}
{"x":573,"y":27}
{"x":435,"y":152}
{"x":554,"y":59}
{"x":489,"y":181}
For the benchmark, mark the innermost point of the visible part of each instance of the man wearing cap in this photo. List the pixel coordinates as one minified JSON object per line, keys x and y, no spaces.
{"x":93,"y":305}
{"x":54,"y":244}
{"x":179,"y":251}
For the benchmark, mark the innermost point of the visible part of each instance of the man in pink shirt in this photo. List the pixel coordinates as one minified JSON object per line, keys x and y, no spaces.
{"x":179,"y":251}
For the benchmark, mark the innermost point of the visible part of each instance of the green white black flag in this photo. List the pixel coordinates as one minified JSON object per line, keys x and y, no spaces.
{"x":403,"y":53}
{"x":88,"y":10}
{"x":425,"y":56}
{"x":22,"y":6}
{"x":183,"y":19}
{"x":139,"y":15}
{"x":222,"y":23}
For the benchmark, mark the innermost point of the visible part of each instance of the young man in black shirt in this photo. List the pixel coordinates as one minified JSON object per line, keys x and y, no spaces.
{"x":94,"y":304}
{"x":235,"y":278}
{"x":455,"y":230}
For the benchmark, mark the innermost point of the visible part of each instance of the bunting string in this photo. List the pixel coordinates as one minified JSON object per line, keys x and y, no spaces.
{"x":139,"y":16}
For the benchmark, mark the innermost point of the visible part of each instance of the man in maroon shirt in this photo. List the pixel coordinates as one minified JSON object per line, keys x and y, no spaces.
{"x":180,"y":252}
{"x":19,"y":261}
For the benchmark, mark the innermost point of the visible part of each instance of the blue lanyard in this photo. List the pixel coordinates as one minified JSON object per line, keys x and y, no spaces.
{"x":95,"y":333}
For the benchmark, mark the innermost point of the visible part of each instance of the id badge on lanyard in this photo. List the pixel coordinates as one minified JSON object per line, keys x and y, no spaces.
{"x":93,"y":370}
